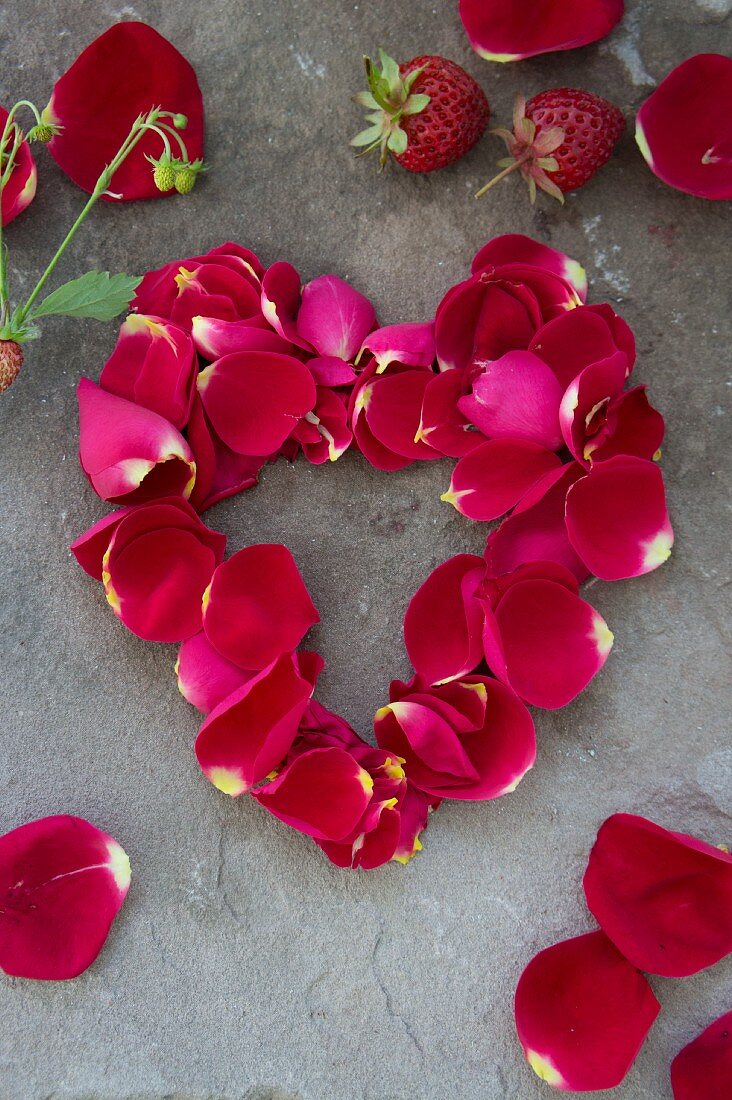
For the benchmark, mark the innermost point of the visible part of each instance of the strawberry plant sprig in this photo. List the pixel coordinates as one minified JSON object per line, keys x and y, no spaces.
{"x":96,"y":294}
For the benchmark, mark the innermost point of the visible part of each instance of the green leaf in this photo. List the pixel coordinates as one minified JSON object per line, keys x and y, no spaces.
{"x":397,"y":142}
{"x":416,"y":103}
{"x":96,"y":294}
{"x":367,"y":137}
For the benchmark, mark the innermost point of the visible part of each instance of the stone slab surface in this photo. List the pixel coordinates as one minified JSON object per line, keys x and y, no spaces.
{"x":244,"y":965}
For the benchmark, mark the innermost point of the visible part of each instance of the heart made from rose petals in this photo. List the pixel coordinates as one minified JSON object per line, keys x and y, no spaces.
{"x":225,"y":365}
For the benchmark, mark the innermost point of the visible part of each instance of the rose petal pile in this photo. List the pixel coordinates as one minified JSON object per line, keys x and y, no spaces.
{"x":663,"y":901}
{"x":226,"y":364}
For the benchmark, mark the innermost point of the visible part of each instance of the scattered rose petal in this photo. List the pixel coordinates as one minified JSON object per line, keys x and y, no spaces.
{"x":515,"y":248}
{"x":467,"y":739}
{"x":444,"y":621}
{"x":495,"y":475}
{"x":703,"y":1069}
{"x":255,"y":399}
{"x":684,"y":128}
{"x":516,"y":396}
{"x":125,"y":72}
{"x":579,"y":337}
{"x":583,"y":1013}
{"x":220,"y":472}
{"x":441,"y":424}
{"x":280,"y":301}
{"x":158,"y":562}
{"x":250,"y":732}
{"x":549,"y":642}
{"x":258,"y":606}
{"x":324,"y":434}
{"x":334,"y":318}
{"x":411,"y":344}
{"x":499,"y":30}
{"x":536,"y":529}
{"x":62,"y":883}
{"x":613,"y":539}
{"x":153,"y":364}
{"x":664,"y":899}
{"x":130,"y":454}
{"x":205,"y":678}
{"x":215,"y":337}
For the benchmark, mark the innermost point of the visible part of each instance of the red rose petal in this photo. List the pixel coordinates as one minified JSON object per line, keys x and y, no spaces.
{"x":634,"y":427}
{"x":62,"y":882}
{"x":256,"y":399}
{"x":130,"y":454}
{"x":515,"y":248}
{"x":684,"y":129}
{"x":441,"y":424}
{"x":664,"y":899}
{"x":258,"y":606}
{"x":614,"y":537}
{"x":125,"y":72}
{"x":205,"y":678}
{"x":583,"y":410}
{"x":499,"y":30}
{"x":583,"y":1013}
{"x":392,"y":405}
{"x":444,"y":620}
{"x":582,"y":336}
{"x":20,"y":189}
{"x":153,"y":364}
{"x":89,"y":549}
{"x":536,"y":529}
{"x":220,"y":472}
{"x":703,"y":1069}
{"x":482,"y":319}
{"x":215,"y":337}
{"x":517,"y":397}
{"x":323,"y":792}
{"x":250,"y":732}
{"x":495,"y":475}
{"x":159,"y":562}
{"x":334,"y":318}
{"x":411,"y":344}
{"x":552,"y":642}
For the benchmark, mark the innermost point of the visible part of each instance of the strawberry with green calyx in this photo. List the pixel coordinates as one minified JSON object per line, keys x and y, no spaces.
{"x":186,"y":176}
{"x":560,"y":139}
{"x":426,"y":113}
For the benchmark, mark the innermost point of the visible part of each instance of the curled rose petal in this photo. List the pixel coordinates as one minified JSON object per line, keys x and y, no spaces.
{"x":613,"y":540}
{"x":664,"y":899}
{"x":250,"y":732}
{"x":411,"y":344}
{"x":482,"y":318}
{"x":683,"y":129}
{"x":331,"y":371}
{"x":500,"y":31}
{"x":130,"y":454}
{"x":515,"y":248}
{"x":20,"y":189}
{"x":582,"y":1014}
{"x":324,"y":434}
{"x":536,"y":529}
{"x":441,"y":424}
{"x":280,"y":301}
{"x":214,"y":337}
{"x":220,"y":472}
{"x":323,"y":792}
{"x":89,"y":549}
{"x":467,"y":739}
{"x":583,"y":413}
{"x":632,"y":427}
{"x":495,"y":475}
{"x":703,"y":1069}
{"x":392,"y":406}
{"x":125,"y":72}
{"x":153,"y":364}
{"x":551,"y":642}
{"x":184,"y":289}
{"x":62,"y":883}
{"x":334,"y":318}
{"x":579,"y":337}
{"x":517,"y":397}
{"x":158,"y":563}
{"x":257,"y":606}
{"x":444,"y":621}
{"x":255,"y":399}
{"x":205,"y":678}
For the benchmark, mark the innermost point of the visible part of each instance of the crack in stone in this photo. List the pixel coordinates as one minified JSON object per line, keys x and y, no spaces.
{"x":392,"y":1012}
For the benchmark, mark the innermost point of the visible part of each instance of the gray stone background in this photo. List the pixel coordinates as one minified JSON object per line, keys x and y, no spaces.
{"x":243,"y":964}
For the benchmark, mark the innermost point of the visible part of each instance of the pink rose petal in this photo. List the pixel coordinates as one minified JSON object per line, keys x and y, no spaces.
{"x":516,"y":396}
{"x":334,"y":318}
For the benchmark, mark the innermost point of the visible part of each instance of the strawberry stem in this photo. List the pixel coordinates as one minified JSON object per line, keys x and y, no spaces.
{"x":502,"y":175}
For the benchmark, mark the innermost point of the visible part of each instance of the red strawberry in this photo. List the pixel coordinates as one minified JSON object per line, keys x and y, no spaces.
{"x":427,"y":113}
{"x":11,"y":360}
{"x":560,"y":139}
